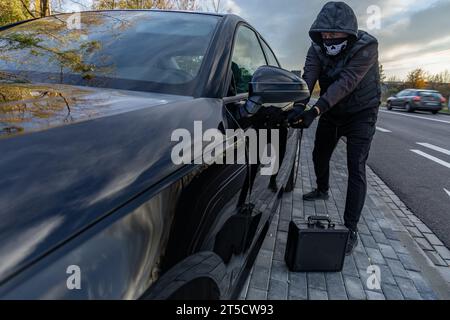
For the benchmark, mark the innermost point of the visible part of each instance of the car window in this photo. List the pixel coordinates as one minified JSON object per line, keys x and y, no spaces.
{"x":271,"y":59}
{"x":248,"y":56}
{"x":405,"y":93}
{"x":135,"y":50}
{"x":433,"y":94}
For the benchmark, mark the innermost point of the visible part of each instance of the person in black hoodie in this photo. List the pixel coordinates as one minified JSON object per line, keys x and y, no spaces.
{"x":345,"y":62}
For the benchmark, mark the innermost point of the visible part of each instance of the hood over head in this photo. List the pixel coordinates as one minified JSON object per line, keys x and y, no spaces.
{"x":334,"y":17}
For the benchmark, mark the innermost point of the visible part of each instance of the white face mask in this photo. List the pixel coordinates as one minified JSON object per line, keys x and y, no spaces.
{"x":335,"y":49}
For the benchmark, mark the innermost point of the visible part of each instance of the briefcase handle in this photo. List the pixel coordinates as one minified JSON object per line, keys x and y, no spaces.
{"x":313,"y":219}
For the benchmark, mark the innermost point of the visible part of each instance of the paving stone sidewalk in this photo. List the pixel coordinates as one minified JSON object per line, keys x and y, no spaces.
{"x":414,"y":263}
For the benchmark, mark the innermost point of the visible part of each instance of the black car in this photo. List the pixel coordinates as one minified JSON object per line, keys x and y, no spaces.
{"x":414,"y":99}
{"x":91,"y":204}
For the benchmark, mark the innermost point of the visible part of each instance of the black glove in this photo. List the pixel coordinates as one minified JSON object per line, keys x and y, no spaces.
{"x":295,"y":113}
{"x":302,"y":120}
{"x":272,"y":117}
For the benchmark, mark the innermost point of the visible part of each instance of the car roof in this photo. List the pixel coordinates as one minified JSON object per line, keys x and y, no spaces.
{"x":161,"y":10}
{"x":3,"y":27}
{"x":421,"y":90}
{"x":143,"y":10}
{"x":228,"y":16}
{"x":233,"y":18}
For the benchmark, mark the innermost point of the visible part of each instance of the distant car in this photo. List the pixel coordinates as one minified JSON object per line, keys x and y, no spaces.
{"x":414,"y":99}
{"x":88,"y":184}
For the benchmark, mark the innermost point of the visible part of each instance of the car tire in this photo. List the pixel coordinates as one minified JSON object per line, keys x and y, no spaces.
{"x":409,"y":108}
{"x":435,"y":112}
{"x":202,"y":276}
{"x":389,"y":105}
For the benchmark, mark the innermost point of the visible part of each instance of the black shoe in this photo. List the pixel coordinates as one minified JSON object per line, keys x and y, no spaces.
{"x":352,"y":243}
{"x":316,"y":194}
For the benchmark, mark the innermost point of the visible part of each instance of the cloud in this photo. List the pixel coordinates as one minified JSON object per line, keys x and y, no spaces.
{"x":412,"y":37}
{"x":411,"y":30}
{"x":429,"y":61}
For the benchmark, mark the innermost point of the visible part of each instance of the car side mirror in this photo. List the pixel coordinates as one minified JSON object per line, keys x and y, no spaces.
{"x":275,"y":85}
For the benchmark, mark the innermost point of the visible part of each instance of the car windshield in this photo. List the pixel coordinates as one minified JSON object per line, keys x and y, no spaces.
{"x":134,"y":50}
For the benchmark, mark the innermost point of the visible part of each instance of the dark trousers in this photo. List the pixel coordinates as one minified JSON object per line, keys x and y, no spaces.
{"x":359,"y":130}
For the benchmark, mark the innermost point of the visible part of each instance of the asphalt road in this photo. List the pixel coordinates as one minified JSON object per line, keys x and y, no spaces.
{"x":411,"y":153}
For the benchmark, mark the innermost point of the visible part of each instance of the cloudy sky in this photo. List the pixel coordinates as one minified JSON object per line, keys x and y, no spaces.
{"x":411,"y":33}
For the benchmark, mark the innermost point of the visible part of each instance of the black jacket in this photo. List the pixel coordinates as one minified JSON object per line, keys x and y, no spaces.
{"x":350,"y":81}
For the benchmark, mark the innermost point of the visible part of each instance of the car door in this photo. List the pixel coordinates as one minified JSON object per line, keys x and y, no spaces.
{"x":247,"y":214}
{"x":405,"y":98}
{"x":396,"y":100}
{"x":261,"y":192}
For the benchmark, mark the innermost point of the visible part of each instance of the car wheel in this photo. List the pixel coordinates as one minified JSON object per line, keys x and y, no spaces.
{"x":434,"y":112}
{"x":389,"y":105}
{"x":409,"y":108}
{"x":202,"y":276}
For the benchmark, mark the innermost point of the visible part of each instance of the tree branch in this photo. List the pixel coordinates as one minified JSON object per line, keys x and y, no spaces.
{"x":26,"y":8}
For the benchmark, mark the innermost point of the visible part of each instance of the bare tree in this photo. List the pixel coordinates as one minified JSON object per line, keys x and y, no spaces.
{"x":216,"y":5}
{"x":382,"y":74}
{"x":190,"y":5}
{"x":44,"y":7}
{"x":220,"y":6}
{"x":146,"y":4}
{"x":26,"y":6}
{"x":445,"y":76}
{"x":393,"y":78}
{"x":37,"y":8}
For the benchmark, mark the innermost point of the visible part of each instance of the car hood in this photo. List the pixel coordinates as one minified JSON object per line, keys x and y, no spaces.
{"x":59,"y":176}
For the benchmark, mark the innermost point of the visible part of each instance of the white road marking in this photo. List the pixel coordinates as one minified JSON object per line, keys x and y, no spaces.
{"x":383,"y":130}
{"x":411,"y":116}
{"x":430,"y":157}
{"x":448,"y":192}
{"x":435,"y":148}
